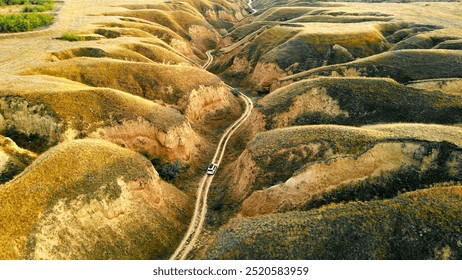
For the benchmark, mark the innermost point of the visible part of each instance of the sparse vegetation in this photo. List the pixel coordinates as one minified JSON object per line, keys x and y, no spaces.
{"x":13,"y":159}
{"x":387,"y":185}
{"x":128,"y":19}
{"x":403,"y":66}
{"x":152,"y":81}
{"x":88,"y":174}
{"x":356,"y":101}
{"x":71,"y":37}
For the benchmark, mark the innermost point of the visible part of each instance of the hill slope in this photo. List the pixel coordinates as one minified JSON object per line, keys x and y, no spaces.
{"x":90,"y":199}
{"x":417,"y":225}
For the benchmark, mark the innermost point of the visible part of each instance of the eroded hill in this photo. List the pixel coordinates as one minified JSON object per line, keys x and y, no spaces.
{"x":417,"y":225}
{"x":358,"y":106}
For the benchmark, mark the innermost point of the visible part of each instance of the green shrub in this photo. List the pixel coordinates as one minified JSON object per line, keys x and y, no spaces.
{"x":37,"y":8}
{"x":128,"y":19}
{"x":71,"y":37}
{"x":22,"y":2}
{"x":23,"y":22}
{"x":167,"y":171}
{"x":31,"y":16}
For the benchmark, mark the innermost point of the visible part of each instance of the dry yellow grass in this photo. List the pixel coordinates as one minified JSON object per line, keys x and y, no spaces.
{"x":402,"y":65}
{"x":429,"y":228}
{"x":99,"y":106}
{"x":158,"y":53}
{"x":128,"y":47}
{"x":284,"y":49}
{"x":450,"y":86}
{"x":283,"y":13}
{"x":385,"y":170}
{"x":215,"y":12}
{"x":345,"y":139}
{"x":8,"y":146}
{"x":330,"y":34}
{"x":275,"y":155}
{"x":327,"y":176}
{"x":179,"y":19}
{"x":356,"y":101}
{"x":115,"y":53}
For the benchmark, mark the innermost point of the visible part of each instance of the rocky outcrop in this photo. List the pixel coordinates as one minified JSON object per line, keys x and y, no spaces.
{"x":212,"y":101}
{"x":175,"y":143}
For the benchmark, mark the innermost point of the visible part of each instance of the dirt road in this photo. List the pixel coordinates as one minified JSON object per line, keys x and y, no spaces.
{"x":200,"y":209}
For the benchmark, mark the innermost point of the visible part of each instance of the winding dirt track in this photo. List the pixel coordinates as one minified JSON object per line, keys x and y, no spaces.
{"x":22,"y":51}
{"x":200,"y":209}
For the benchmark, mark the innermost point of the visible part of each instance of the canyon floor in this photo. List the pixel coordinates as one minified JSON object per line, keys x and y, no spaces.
{"x":352,"y":149}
